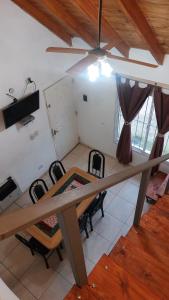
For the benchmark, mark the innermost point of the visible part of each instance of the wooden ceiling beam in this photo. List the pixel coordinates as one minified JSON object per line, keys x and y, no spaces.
{"x":134,"y":13}
{"x":58,"y":10}
{"x":45,"y":20}
{"x":87,"y":8}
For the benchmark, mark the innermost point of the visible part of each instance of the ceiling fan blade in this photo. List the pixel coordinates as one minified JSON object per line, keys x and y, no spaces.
{"x":138,"y":62}
{"x":82,"y":64}
{"x":66,"y":50}
{"x":109,"y":46}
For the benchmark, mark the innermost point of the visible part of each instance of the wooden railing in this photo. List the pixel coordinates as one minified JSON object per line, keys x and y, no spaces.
{"x":65,"y":207}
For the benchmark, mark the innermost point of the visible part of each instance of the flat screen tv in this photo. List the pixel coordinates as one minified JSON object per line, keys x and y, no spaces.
{"x":16,"y":111}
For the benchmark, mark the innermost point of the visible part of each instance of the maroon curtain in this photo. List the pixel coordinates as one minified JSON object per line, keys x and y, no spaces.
{"x":131,"y":100}
{"x":161,"y":103}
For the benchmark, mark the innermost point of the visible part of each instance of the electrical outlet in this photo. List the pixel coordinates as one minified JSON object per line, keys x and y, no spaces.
{"x":85,"y":98}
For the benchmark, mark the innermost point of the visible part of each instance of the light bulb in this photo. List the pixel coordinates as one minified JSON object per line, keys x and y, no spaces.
{"x":93,"y":72}
{"x":106,"y":69}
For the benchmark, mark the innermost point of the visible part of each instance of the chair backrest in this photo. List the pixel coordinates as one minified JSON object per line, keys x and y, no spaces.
{"x":33,"y":244}
{"x":22,"y":240}
{"x":37,"y":189}
{"x":82,"y":220}
{"x":56,"y":171}
{"x":36,"y":246}
{"x":96,"y":163}
{"x":96,"y":204}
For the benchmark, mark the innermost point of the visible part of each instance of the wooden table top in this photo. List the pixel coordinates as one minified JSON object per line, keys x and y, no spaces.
{"x":54,"y":241}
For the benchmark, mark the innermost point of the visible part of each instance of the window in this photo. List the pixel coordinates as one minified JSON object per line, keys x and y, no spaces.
{"x":143,"y":128}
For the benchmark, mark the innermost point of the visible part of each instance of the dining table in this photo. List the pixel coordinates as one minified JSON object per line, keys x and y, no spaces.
{"x":47,"y":231}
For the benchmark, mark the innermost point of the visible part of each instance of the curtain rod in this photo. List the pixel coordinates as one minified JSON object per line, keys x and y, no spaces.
{"x":162,"y":85}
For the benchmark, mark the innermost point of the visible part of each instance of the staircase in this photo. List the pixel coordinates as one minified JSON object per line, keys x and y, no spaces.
{"x":137,"y":267}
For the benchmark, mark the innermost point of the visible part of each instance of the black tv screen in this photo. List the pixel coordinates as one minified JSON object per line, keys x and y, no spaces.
{"x":20,"y":109}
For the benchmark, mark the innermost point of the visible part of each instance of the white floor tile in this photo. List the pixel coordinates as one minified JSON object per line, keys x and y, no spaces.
{"x":108,"y":199}
{"x":129,"y":192}
{"x":120,"y":209}
{"x":58,"y":288}
{"x":24,"y":200}
{"x":6,"y":247}
{"x":22,"y":293}
{"x":37,"y":278}
{"x":116,"y":188}
{"x":19,"y":260}
{"x":112,"y":244}
{"x":7,"y":277}
{"x":64,"y":268}
{"x":95,"y":247}
{"x":108,"y":227}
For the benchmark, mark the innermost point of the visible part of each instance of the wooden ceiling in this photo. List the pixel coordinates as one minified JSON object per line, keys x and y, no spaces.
{"x":140,"y":24}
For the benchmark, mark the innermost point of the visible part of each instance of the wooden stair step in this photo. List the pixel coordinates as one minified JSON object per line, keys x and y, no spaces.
{"x":108,"y":281}
{"x":113,"y":282}
{"x":166,"y":196}
{"x":163,"y":203}
{"x":148,"y":242}
{"x":142,"y":266}
{"x":158,"y":212}
{"x":156,"y":226}
{"x":158,"y":215}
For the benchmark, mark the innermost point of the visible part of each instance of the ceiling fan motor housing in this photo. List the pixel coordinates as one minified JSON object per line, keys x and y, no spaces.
{"x":98,"y":51}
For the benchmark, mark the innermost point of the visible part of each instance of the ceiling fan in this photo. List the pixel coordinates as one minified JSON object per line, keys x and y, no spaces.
{"x":95,"y":54}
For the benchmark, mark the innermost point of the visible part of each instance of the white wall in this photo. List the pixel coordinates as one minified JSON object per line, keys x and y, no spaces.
{"x":22,"y":54}
{"x":96,"y":116}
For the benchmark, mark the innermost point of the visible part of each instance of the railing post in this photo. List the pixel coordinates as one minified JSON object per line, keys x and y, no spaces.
{"x":141,"y":196}
{"x":167,"y":187}
{"x":71,"y":234}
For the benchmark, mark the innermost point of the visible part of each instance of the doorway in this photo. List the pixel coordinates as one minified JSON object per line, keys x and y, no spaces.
{"x":62,"y":116}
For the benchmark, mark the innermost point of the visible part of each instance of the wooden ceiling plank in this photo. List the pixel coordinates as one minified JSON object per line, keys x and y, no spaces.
{"x":45,"y":20}
{"x":134,"y":13}
{"x":87,"y":8}
{"x":59,"y":11}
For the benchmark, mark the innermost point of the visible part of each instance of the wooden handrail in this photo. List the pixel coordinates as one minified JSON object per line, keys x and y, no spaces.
{"x":13,"y":222}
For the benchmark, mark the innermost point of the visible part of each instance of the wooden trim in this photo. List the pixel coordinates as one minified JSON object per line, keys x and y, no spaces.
{"x":40,"y":16}
{"x":134,"y":13}
{"x":59,"y":11}
{"x":87,"y":8}
{"x":13,"y":222}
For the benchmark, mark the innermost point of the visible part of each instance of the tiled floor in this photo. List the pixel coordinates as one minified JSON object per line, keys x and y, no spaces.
{"x":27,"y":276}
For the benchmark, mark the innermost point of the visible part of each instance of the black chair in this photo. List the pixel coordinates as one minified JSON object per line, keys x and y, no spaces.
{"x":96,"y":205}
{"x":83,"y":224}
{"x":96,"y":163}
{"x":36,"y":247}
{"x":37,"y":189}
{"x":56,"y":171}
